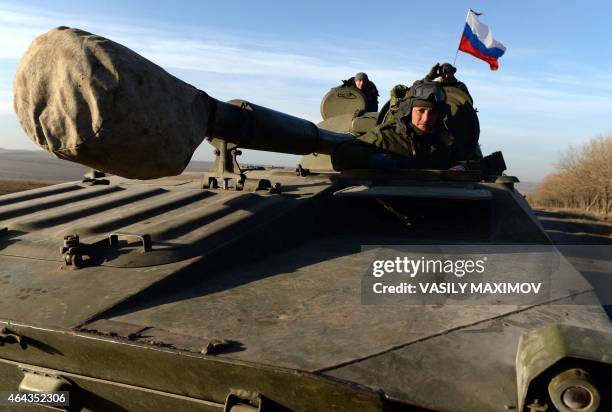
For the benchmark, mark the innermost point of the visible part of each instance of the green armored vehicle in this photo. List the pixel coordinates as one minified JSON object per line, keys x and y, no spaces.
{"x":247,"y":290}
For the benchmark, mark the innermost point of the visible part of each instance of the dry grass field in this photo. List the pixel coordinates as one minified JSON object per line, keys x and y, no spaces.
{"x":11,"y":186}
{"x":29,"y":169}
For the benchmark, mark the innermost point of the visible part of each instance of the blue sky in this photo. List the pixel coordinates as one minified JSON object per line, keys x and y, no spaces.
{"x":553,"y":88}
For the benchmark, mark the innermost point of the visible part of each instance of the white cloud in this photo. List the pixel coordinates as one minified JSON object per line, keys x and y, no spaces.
{"x":6,"y":101}
{"x":6,"y":108}
{"x":13,"y":43}
{"x":21,"y":16}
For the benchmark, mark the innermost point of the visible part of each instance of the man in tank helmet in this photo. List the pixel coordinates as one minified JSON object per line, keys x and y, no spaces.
{"x":418,"y":138}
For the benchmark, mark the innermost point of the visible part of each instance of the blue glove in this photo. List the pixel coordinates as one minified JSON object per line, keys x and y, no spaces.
{"x":383,"y":161}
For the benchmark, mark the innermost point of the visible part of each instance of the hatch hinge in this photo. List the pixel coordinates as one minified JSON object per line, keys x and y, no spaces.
{"x":76,"y":255}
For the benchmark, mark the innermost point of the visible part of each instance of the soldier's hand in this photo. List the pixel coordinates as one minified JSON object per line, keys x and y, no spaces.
{"x":433,"y":72}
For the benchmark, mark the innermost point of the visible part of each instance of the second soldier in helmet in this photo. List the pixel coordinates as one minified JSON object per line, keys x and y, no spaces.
{"x":368,"y":88}
{"x":446,"y":74}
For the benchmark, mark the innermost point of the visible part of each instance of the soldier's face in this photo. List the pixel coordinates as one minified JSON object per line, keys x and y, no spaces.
{"x":359,"y":84}
{"x":424,"y":118}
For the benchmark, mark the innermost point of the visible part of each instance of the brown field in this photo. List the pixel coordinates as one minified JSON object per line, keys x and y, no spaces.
{"x":11,"y":186}
{"x":38,"y":165}
{"x":30,"y":169}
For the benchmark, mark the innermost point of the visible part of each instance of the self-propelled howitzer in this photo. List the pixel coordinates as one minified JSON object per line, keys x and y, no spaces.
{"x":178,"y":294}
{"x":90,"y":100}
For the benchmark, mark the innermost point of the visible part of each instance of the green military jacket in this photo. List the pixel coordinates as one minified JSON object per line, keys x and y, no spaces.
{"x":414,"y":150}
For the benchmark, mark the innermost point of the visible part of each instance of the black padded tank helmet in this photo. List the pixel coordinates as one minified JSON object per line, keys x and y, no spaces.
{"x":424,"y":93}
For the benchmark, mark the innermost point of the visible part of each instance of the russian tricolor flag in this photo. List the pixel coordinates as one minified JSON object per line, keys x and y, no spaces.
{"x":478,"y":41}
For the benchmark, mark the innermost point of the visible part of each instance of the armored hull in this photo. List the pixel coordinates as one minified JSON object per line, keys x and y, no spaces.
{"x":207,"y":293}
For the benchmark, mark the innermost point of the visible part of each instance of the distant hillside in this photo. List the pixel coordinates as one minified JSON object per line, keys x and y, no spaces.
{"x":33,"y":165}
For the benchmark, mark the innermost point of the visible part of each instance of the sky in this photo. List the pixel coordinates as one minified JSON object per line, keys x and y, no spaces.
{"x":553,"y":88}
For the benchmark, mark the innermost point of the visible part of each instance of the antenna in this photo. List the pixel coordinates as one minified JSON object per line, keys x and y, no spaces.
{"x":457,"y":52}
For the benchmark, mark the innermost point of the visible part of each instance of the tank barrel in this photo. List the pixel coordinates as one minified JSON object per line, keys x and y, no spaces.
{"x":255,"y":127}
{"x":90,"y":100}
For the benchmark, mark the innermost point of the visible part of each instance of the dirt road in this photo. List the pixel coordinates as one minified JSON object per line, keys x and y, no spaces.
{"x":567,"y":228}
{"x":587,"y":243}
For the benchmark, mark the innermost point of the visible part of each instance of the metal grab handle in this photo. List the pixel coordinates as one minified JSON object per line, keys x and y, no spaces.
{"x":144,"y":238}
{"x":45,"y":381}
{"x":42,"y":381}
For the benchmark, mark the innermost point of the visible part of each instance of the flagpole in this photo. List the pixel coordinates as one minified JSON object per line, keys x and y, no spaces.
{"x":460,"y":37}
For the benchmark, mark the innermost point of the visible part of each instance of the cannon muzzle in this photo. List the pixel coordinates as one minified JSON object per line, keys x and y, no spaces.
{"x":90,"y":100}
